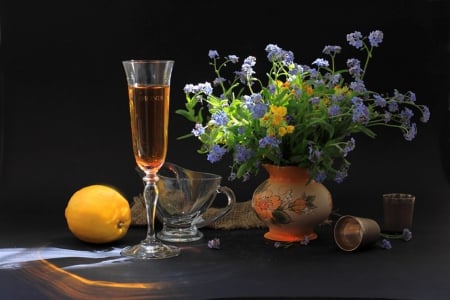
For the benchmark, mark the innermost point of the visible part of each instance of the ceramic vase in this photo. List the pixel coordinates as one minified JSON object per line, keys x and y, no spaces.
{"x":289,"y":205}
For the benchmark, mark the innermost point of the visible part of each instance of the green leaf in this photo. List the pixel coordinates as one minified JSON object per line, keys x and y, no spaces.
{"x":188,"y":115}
{"x":185,"y":136}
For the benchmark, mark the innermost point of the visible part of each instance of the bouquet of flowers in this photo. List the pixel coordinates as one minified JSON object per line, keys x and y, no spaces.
{"x":299,"y":115}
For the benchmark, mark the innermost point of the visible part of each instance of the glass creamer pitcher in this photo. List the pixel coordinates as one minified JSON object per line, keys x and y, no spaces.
{"x":184,"y":197}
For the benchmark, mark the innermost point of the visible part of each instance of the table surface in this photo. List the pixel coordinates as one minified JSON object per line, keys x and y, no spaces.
{"x":41,"y":259}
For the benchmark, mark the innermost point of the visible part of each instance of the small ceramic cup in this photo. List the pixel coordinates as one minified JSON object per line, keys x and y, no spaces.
{"x":398,"y":211}
{"x":352,"y":233}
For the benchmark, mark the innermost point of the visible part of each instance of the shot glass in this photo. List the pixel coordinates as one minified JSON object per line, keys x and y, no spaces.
{"x":398,"y":211}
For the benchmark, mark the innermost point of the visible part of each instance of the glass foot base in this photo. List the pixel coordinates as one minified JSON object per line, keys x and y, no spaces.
{"x":179,"y":235}
{"x":156,"y":250}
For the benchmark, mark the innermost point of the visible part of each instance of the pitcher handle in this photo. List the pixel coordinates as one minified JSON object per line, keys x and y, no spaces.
{"x":219,"y":212}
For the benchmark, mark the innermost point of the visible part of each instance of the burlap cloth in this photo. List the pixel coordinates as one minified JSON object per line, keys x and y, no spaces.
{"x":241,"y":216}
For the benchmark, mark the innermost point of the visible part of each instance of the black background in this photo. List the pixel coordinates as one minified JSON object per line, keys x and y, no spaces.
{"x":64,"y":106}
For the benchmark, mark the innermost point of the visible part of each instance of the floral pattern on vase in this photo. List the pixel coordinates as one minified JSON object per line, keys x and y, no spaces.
{"x":290,"y":205}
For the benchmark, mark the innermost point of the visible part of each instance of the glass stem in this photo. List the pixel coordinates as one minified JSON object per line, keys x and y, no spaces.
{"x":151,"y":195}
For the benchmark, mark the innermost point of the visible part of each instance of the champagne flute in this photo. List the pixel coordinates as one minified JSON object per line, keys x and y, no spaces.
{"x":149,"y":92}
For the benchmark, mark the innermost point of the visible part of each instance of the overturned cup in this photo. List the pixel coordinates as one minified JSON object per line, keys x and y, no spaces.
{"x":352,"y":233}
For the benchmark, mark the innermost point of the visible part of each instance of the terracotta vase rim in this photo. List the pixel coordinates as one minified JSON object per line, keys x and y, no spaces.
{"x":286,"y":172}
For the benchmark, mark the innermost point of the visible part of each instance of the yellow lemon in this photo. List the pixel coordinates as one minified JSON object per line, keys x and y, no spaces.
{"x":98,"y":214}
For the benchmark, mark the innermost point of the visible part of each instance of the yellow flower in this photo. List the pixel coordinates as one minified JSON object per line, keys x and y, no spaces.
{"x":277,"y":120}
{"x":340,"y":90}
{"x":282,"y":131}
{"x":279,"y":83}
{"x":278,"y":110}
{"x":308,"y":89}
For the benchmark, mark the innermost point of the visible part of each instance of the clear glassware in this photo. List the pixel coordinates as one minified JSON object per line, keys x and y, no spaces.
{"x":185,"y":197}
{"x":149,"y":94}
